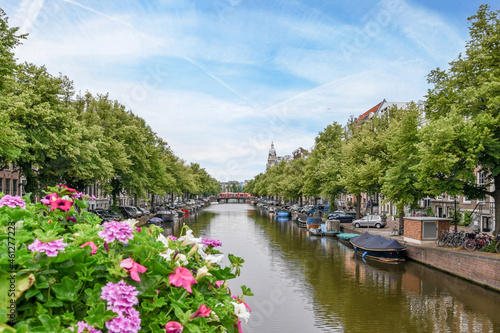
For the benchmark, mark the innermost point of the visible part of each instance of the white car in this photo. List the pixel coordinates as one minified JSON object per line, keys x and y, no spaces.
{"x":376,"y":221}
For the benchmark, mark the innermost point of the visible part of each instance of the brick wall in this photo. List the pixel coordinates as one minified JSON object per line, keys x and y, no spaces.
{"x":483,"y":269}
{"x":413,"y":229}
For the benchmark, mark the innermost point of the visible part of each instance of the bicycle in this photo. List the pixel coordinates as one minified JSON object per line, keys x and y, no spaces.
{"x":395,"y":231}
{"x":497,"y":247}
{"x":477,"y":241}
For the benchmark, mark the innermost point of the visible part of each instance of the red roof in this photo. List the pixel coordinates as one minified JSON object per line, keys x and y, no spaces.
{"x":367,"y":113}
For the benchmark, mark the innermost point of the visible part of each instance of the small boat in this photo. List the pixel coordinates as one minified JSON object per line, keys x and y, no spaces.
{"x":315,"y":231}
{"x":166,"y":215}
{"x":314,"y":222}
{"x":283,"y":213}
{"x":155,"y":221}
{"x":302,"y":221}
{"x":378,"y":247}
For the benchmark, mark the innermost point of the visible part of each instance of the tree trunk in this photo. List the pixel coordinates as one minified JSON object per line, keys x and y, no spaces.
{"x":401,"y":213}
{"x":358,"y":205}
{"x":496,"y":197}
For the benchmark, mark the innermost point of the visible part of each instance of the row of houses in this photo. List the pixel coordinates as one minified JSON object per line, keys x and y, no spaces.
{"x":442,"y":206}
{"x":13,"y":183}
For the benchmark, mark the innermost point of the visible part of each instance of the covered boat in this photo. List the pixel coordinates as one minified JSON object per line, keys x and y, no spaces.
{"x":378,"y":247}
{"x":283,"y":213}
{"x":314,"y":222}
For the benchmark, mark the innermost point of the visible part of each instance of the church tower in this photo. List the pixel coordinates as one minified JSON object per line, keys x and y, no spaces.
{"x":271,"y":159}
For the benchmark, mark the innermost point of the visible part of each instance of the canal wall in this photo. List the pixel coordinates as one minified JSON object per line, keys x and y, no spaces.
{"x":478,"y":267}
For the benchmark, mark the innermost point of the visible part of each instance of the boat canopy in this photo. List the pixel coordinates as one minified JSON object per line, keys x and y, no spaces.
{"x":376,"y":243}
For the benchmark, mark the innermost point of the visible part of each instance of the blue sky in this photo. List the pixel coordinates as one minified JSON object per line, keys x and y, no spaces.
{"x":219,"y":80}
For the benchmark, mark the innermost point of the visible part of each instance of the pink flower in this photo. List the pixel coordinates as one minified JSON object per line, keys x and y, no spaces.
{"x":51,"y":249}
{"x":173,"y":327}
{"x":12,"y":201}
{"x":116,"y":230}
{"x":133,"y":268}
{"x":119,"y":296}
{"x":219,"y":283}
{"x":202,"y":311}
{"x":138,"y":230}
{"x":128,"y":321}
{"x":62,"y":204}
{"x":172,"y":237}
{"x":92,"y":246}
{"x":84,"y":326}
{"x":182,"y":277}
{"x":211,"y":242}
{"x":72,"y":219}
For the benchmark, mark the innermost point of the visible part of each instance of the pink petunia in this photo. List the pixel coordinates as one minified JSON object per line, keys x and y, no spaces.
{"x":133,"y":268}
{"x":92,"y":246}
{"x":61,"y":204}
{"x":182,"y":277}
{"x":173,"y":327}
{"x":202,"y":311}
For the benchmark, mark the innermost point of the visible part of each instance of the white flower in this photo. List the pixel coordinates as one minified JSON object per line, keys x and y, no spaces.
{"x":188,"y":239}
{"x":180,"y":260}
{"x":167,"y":255}
{"x":131,"y":222}
{"x":241,"y":312}
{"x":214,"y":258}
{"x":202,"y":272}
{"x":162,"y":239}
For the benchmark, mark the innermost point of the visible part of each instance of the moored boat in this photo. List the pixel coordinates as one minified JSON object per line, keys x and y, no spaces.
{"x":283,"y":213}
{"x":314,"y":222}
{"x":378,"y":247}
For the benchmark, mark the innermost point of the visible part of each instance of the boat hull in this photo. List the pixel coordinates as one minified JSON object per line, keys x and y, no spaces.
{"x":314,"y":222}
{"x":378,"y":248}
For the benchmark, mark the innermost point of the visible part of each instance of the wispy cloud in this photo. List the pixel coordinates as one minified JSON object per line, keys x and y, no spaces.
{"x":220,"y":80}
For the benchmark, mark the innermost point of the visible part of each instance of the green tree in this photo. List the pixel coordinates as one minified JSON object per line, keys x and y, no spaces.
{"x":399,"y":183}
{"x":464,"y":111}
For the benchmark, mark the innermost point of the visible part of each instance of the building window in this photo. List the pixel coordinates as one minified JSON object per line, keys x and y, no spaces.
{"x":1,"y":184}
{"x":7,"y":186}
{"x":466,"y":200}
{"x":14,"y":186}
{"x":481,"y":178}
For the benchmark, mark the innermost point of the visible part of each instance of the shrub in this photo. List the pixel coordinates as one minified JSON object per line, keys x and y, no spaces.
{"x":68,"y":273}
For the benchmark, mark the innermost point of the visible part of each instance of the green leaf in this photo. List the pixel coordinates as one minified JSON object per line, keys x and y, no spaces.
{"x":67,"y":290}
{"x":54,"y":304}
{"x":52,"y":324}
{"x":246,"y":291}
{"x":99,"y":315}
{"x":192,"y":328}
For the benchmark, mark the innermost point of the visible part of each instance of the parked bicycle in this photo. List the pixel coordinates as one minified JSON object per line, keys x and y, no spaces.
{"x":477,"y":241}
{"x":395,"y":230}
{"x":497,"y":247}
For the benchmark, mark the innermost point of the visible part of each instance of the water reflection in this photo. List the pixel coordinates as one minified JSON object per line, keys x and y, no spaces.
{"x":305,"y":283}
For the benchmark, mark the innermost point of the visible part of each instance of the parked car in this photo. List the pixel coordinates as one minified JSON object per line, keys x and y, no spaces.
{"x":343,"y":216}
{"x":128,"y":212}
{"x":144,"y":211}
{"x":106,"y":214}
{"x":322,"y":209}
{"x":376,"y":221}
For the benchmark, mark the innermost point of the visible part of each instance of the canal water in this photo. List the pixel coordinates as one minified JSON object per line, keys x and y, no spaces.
{"x":305,"y":283}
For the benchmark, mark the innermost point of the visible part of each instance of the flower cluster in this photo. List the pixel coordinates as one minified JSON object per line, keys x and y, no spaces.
{"x":211,"y":242}
{"x":121,"y":299}
{"x":12,"y":201}
{"x":84,"y":327}
{"x":51,"y":249}
{"x":116,"y":230}
{"x":187,"y":290}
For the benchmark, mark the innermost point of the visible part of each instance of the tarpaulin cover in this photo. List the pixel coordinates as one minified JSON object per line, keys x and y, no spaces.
{"x":375,"y":242}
